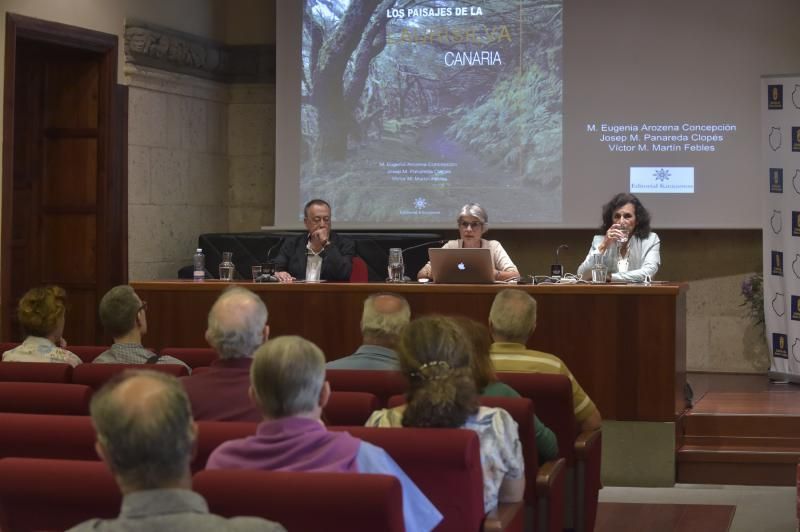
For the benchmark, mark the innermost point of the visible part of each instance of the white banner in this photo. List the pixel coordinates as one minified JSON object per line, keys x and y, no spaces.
{"x":780,"y":178}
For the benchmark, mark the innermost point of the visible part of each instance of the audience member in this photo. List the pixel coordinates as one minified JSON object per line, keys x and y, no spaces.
{"x":123,"y":315}
{"x":434,"y":356}
{"x":320,"y":254}
{"x":488,"y":386}
{"x":146,"y":437}
{"x":288,"y":384}
{"x":42,"y":313}
{"x":382,"y":321}
{"x":512,"y":319}
{"x":237,"y":326}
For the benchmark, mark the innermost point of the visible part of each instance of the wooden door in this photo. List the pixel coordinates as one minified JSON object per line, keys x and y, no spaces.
{"x":67,"y":191}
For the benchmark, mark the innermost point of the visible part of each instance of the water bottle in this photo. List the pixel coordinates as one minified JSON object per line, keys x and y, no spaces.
{"x":199,"y":263}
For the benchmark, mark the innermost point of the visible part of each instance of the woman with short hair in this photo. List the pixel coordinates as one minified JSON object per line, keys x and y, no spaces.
{"x":473,"y":223}
{"x":42,"y":312}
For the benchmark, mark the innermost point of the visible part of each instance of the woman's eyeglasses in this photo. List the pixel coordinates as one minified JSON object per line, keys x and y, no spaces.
{"x":473,"y":225}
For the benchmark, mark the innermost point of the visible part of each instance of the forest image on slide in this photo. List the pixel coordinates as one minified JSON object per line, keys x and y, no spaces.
{"x":411,"y":109}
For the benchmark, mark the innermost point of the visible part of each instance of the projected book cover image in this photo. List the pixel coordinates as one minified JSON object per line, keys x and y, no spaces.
{"x":411,"y":109}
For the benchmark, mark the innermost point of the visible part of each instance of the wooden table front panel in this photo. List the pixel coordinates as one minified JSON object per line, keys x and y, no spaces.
{"x":626,"y":345}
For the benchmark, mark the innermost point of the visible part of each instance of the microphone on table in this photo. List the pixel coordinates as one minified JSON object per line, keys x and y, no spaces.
{"x":557,"y":269}
{"x":270,"y":276}
{"x":432,"y":242}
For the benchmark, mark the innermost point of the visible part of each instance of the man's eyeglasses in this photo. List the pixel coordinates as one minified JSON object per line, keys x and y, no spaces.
{"x":318,"y":219}
{"x":474,"y":225}
{"x":142,"y":307}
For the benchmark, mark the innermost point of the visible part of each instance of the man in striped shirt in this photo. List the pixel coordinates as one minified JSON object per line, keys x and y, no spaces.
{"x":512,"y":320}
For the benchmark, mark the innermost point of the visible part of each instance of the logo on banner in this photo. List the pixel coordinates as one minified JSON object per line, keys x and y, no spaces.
{"x":796,"y":266}
{"x":780,"y":345}
{"x":796,"y":350}
{"x":775,"y":138}
{"x":795,"y":138}
{"x":779,"y":304}
{"x":776,"y":180}
{"x":774,"y":96}
{"x":795,"y":223}
{"x":796,"y":96}
{"x":795,"y":308}
{"x":777,"y":263}
{"x":796,"y":181}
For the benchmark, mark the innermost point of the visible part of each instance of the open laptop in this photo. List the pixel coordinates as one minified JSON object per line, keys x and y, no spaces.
{"x":461,"y":265}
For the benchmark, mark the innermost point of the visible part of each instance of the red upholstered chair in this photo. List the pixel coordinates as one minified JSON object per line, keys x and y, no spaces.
{"x":210,"y":434}
{"x":194,"y":357}
{"x":445,"y":464}
{"x":349,"y":408}
{"x":332,"y":502}
{"x":40,"y":494}
{"x":544,"y":486}
{"x":552,"y":395}
{"x":45,"y":398}
{"x":88,"y":353}
{"x":7,"y":346}
{"x":382,"y":384}
{"x":46,"y":436}
{"x":95,"y":375}
{"x":359,"y":272}
{"x":35,"y":372}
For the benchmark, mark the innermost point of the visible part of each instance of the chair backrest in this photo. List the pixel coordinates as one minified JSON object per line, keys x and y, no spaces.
{"x":40,"y":494}
{"x":194,"y":357}
{"x":444,"y":463}
{"x":306,"y":501}
{"x":45,"y":398}
{"x":522,"y":410}
{"x":95,"y":375}
{"x":88,"y":353}
{"x":359,"y":272}
{"x":382,"y":384}
{"x":35,"y":372}
{"x":552,"y":395}
{"x":349,"y":408}
{"x":7,"y":346}
{"x":211,"y":434}
{"x":47,"y":436}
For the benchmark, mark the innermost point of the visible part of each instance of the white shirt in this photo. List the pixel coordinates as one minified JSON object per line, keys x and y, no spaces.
{"x":313,"y":264}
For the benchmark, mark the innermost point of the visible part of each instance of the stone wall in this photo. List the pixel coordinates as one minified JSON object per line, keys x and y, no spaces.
{"x":177,"y":169}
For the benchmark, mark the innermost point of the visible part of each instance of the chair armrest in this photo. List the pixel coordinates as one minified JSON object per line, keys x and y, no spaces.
{"x":585,"y":443}
{"x":549,"y":475}
{"x":507,"y":516}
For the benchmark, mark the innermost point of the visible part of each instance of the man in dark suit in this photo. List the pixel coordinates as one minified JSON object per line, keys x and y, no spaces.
{"x":319,"y":255}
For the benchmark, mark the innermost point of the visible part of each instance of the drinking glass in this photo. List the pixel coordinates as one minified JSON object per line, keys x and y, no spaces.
{"x":256,"y":270}
{"x":624,"y":233}
{"x":226,"y":266}
{"x":395,"y":265}
{"x":599,"y":268}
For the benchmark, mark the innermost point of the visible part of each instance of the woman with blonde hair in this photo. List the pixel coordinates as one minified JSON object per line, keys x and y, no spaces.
{"x":435,"y":357}
{"x":41,"y":312}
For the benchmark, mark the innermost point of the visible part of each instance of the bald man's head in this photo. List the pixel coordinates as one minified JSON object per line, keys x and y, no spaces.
{"x":237,"y":323}
{"x":145,"y":430}
{"x":384,"y":317}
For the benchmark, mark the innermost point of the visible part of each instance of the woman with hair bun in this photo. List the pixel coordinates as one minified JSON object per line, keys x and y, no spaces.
{"x":435,"y":358}
{"x":41,"y":312}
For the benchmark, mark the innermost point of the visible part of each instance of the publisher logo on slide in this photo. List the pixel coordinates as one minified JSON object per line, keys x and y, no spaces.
{"x":662,"y":179}
{"x":774,"y":96}
{"x":777,"y":263}
{"x":776,"y":180}
{"x":780,"y":344}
